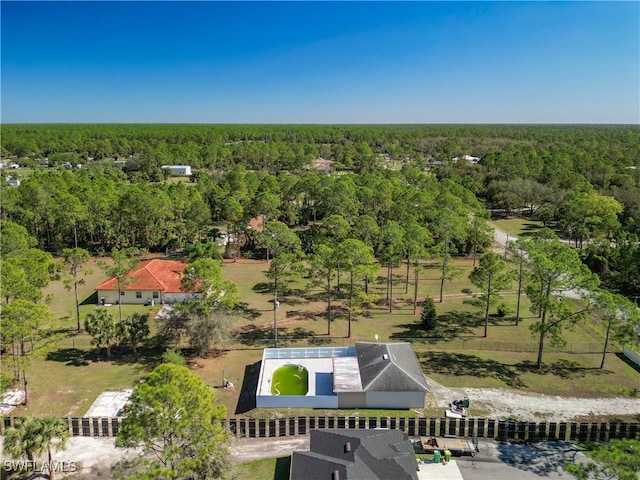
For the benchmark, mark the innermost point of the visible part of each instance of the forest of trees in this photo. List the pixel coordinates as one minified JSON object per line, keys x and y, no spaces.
{"x":583,"y":181}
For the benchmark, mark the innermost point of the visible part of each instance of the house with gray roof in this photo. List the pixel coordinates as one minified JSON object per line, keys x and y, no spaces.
{"x":338,"y":454}
{"x":388,"y":376}
{"x":369,"y":375}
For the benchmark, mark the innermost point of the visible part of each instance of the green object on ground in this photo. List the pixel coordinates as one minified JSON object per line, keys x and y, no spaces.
{"x":436,"y":456}
{"x":447,"y":456}
{"x":290,"y":380}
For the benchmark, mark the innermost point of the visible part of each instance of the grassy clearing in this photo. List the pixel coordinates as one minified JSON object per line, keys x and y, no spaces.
{"x":276,"y":468}
{"x":68,"y":379}
{"x":517,"y":226}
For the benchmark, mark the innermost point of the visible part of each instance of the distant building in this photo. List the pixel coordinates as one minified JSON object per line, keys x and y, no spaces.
{"x":338,"y":454}
{"x":468,"y":158}
{"x":14,"y":182}
{"x":178,"y":169}
{"x":321,"y":165}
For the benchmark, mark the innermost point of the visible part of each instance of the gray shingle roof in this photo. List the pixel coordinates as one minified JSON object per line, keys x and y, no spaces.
{"x":373,"y":455}
{"x":390,"y":367}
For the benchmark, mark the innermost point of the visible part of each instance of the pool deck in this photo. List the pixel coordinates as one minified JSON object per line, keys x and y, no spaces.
{"x":313,"y":365}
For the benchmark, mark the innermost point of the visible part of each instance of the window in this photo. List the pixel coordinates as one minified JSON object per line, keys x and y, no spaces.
{"x":155,"y":295}
{"x":122,"y":293}
{"x":138,"y":294}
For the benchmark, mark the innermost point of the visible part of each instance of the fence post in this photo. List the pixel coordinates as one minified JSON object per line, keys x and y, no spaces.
{"x":432,"y":427}
{"x":422,"y":427}
{"x":115,"y":427}
{"x":453,"y":422}
{"x":471,"y":428}
{"x":623,"y":430}
{"x":491,"y":428}
{"x":362,"y":423}
{"x":542,"y":431}
{"x":412,"y":426}
{"x":481,"y":432}
{"x":461,"y":427}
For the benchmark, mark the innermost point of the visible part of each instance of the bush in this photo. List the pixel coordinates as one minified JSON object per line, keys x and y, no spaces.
{"x":174,"y":357}
{"x":428,"y":315}
{"x":503,"y":310}
{"x":5,"y":382}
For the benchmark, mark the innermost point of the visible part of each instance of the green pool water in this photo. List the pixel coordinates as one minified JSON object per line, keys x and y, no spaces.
{"x":290,"y":380}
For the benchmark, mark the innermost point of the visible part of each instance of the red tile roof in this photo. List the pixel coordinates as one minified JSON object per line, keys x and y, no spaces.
{"x":155,"y":274}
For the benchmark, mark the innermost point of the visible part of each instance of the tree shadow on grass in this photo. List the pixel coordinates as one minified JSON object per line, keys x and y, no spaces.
{"x":247,"y":397}
{"x":91,"y":299}
{"x":71,"y":356}
{"x":263,"y":288}
{"x":449,"y":326}
{"x":247,"y":312}
{"x":628,"y":361}
{"x":567,"y":369}
{"x":458,"y":364}
{"x":304,"y":315}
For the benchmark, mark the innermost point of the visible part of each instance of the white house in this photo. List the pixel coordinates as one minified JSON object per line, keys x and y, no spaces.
{"x":157,"y":281}
{"x":178,"y":169}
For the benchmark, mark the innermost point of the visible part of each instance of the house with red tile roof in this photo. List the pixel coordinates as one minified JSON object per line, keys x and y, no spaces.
{"x":152,"y":281}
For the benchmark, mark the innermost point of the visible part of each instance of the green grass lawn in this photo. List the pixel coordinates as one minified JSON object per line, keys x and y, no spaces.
{"x":67,"y":379}
{"x":276,"y":468}
{"x":517,"y":226}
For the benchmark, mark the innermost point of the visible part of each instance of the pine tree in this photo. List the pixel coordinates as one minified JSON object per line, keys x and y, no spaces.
{"x":428,"y":315}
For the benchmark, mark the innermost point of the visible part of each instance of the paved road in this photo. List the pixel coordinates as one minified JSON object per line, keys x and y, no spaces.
{"x":494,"y":461}
{"x":519,"y":461}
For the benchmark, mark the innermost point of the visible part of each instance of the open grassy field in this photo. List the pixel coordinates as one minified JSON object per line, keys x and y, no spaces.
{"x":69,"y":377}
{"x":517,"y":226}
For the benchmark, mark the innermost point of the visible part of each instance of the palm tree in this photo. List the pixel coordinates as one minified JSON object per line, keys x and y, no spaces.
{"x":102,"y":327}
{"x":53,"y":434}
{"x":22,"y":439}
{"x":133,"y":329}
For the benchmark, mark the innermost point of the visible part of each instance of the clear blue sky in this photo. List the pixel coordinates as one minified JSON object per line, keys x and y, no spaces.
{"x":321,"y":62}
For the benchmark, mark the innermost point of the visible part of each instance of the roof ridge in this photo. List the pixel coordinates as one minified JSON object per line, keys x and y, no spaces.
{"x":377,"y":376}
{"x":409,"y":374}
{"x":161,"y":283}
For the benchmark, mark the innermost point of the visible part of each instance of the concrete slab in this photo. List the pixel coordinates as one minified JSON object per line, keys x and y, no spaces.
{"x":10,"y":400}
{"x":109,"y":404}
{"x":438,"y":471}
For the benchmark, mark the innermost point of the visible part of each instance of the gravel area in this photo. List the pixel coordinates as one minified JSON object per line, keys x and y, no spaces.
{"x":505,"y":403}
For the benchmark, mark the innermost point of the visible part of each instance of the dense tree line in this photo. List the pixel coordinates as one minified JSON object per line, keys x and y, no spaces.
{"x":583,"y":181}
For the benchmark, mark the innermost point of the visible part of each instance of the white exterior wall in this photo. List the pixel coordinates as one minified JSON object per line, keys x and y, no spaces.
{"x":297,"y":401}
{"x":632,"y":355}
{"x":178,"y":169}
{"x":395,"y":400}
{"x":129,"y":297}
{"x":180,"y":297}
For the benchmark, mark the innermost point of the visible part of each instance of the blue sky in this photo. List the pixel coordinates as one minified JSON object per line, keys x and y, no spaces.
{"x":321,"y":62}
